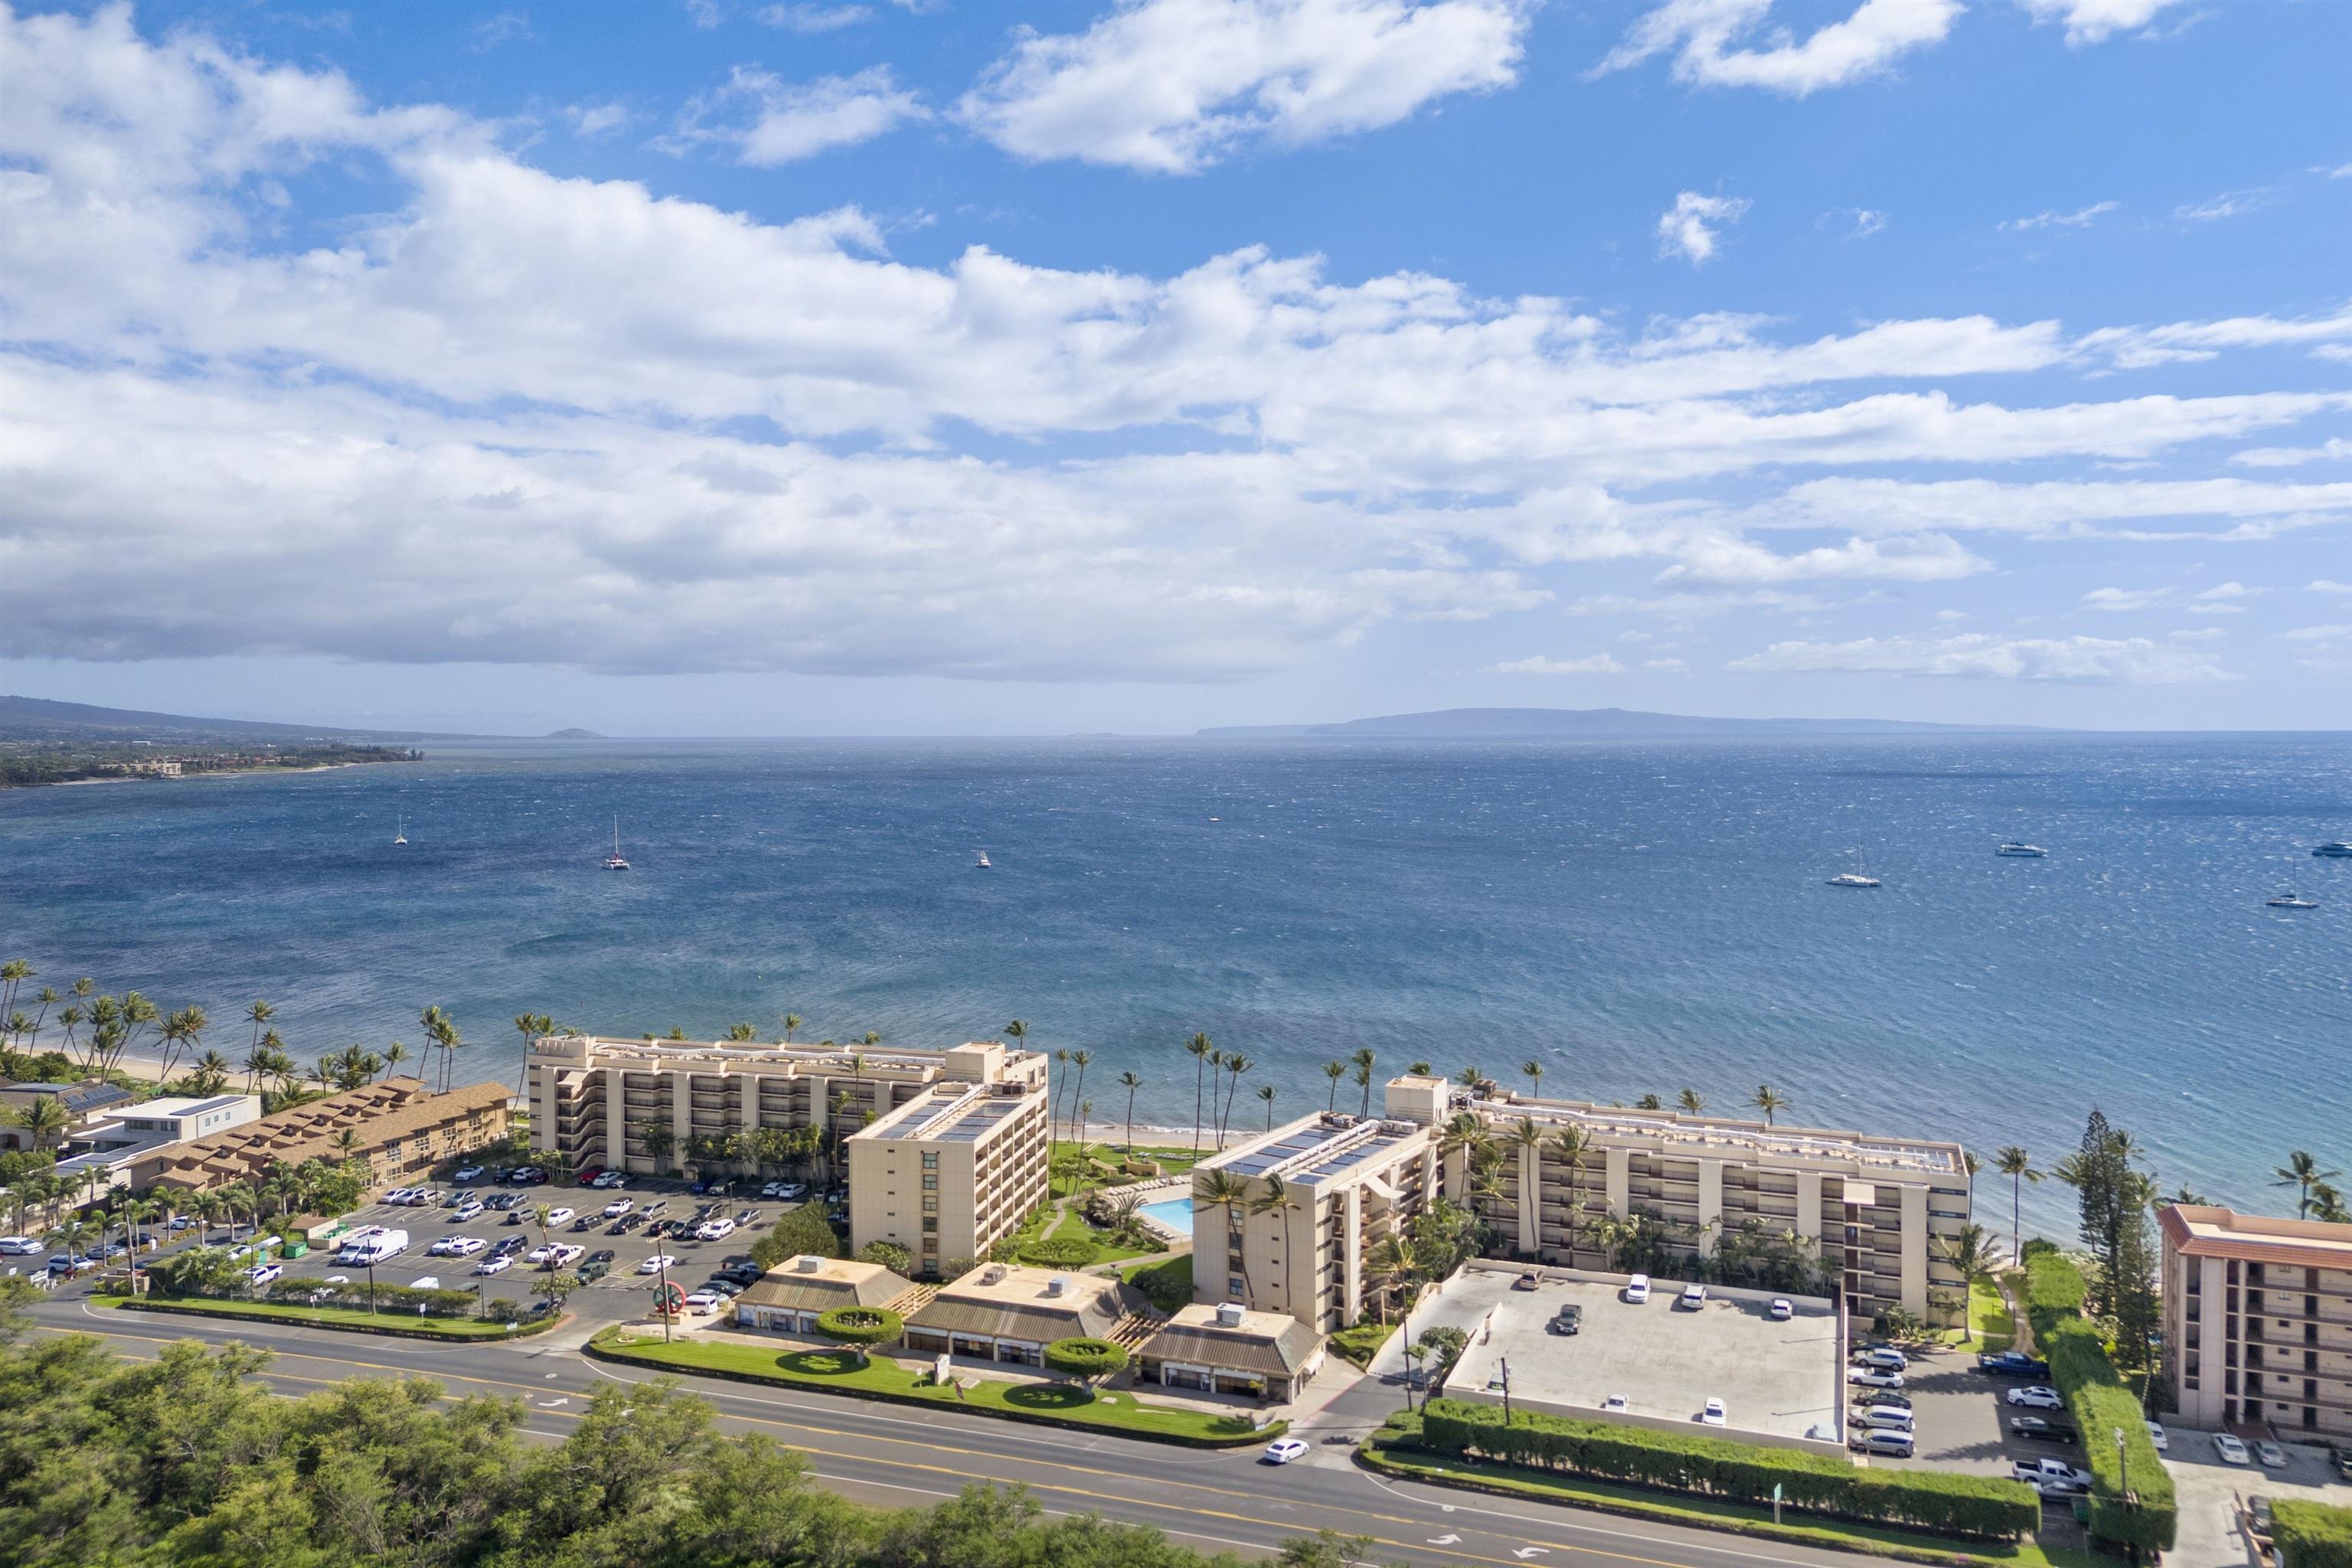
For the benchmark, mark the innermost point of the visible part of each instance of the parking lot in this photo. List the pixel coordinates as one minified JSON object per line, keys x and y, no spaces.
{"x":620,"y":1294}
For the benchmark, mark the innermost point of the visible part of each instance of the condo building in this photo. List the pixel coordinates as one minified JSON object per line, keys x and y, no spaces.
{"x":952,"y":1172}
{"x":2258,"y":1320}
{"x":394,"y":1127}
{"x":593,"y":1100}
{"x":1872,"y":1209}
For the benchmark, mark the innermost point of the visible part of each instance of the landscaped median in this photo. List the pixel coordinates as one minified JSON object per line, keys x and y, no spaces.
{"x":1714,"y":1479}
{"x":878,"y":1377}
{"x":2100,"y":1405}
{"x":348,"y":1319}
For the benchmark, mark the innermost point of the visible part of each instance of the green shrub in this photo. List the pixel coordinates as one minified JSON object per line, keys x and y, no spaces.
{"x":1067,"y":1252}
{"x":1167,"y":1286}
{"x":1980,"y":1507}
{"x":2312,"y":1534}
{"x":800,"y":1232}
{"x":1086,"y":1358}
{"x":503,"y":1310}
{"x":2100,"y":1405}
{"x":860,"y":1326}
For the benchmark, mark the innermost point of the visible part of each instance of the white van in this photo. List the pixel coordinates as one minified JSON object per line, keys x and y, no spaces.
{"x":19,"y":1246}
{"x":367,"y":1249}
{"x":1637,"y":1289}
{"x":1885,"y":1418}
{"x":1878,"y":1440}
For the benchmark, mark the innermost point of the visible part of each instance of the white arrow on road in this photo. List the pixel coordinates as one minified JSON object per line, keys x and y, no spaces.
{"x":1524,"y":1553}
{"x":553,"y":1404}
{"x":1444,"y":1540}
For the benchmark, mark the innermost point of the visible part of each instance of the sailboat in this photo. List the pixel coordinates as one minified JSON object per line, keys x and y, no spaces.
{"x":2292,"y":899}
{"x":982,"y":864}
{"x":613,"y":862}
{"x":1853,"y":879}
{"x":400,"y":833}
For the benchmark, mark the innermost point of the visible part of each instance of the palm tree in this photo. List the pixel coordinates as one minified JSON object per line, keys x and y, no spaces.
{"x":1575,"y":1146}
{"x":1054,"y":1115}
{"x":1236,"y":1064}
{"x":1335,"y":1071}
{"x":1131,"y":1080}
{"x":44,"y":1118}
{"x":2013,"y":1161}
{"x":210,"y":1074}
{"x":1528,"y":1137}
{"x":13,"y":972}
{"x":1534,"y":1071}
{"x":1769,"y":1101}
{"x":393,"y":1055}
{"x":1225,"y":1191}
{"x":1471,"y":1076}
{"x":1362,"y":1061}
{"x":792,"y":1022}
{"x":2327,"y":1204}
{"x":1080,"y":1060}
{"x":743,"y":1034}
{"x":539,"y":1213}
{"x":530,"y":1026}
{"x":260,"y":1013}
{"x":1691,"y":1103}
{"x":1274,"y":1197}
{"x":1969,"y":1253}
{"x":1198,"y":1048}
{"x":2302,"y":1173}
{"x":1266,"y":1092}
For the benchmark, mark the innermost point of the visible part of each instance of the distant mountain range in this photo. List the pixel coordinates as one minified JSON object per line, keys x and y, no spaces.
{"x":39,"y":718}
{"x":1590,"y":723}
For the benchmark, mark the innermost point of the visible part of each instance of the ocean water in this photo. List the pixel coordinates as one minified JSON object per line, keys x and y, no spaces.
{"x":1637,"y":917}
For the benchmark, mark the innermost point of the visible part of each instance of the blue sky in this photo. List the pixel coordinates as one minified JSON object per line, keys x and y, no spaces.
{"x":736,"y":368}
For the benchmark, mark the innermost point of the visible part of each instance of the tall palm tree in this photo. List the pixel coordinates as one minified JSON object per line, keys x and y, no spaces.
{"x":1198,"y":1048}
{"x":1274,"y":1197}
{"x":1575,"y":1145}
{"x":1131,"y":1080}
{"x":210,"y":1074}
{"x":1534,"y":1071}
{"x":792,"y":1022}
{"x":13,"y":972}
{"x":1769,"y":1101}
{"x":44,"y":1118}
{"x":393,"y":1055}
{"x":1053,"y":1113}
{"x":1266,"y":1092}
{"x":1691,"y":1103}
{"x":1080,"y":1060}
{"x":1968,"y":1251}
{"x":260,"y":1013}
{"x":1528,"y":1139}
{"x":2013,"y":1161}
{"x":530,"y":1026}
{"x":1362,"y":1061}
{"x":1236,"y":1064}
{"x":1471,"y":1076}
{"x":1224,"y":1191}
{"x":1335,"y":1071}
{"x":2302,"y":1173}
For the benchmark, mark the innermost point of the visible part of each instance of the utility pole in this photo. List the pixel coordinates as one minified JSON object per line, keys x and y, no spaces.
{"x":1506,"y":1390}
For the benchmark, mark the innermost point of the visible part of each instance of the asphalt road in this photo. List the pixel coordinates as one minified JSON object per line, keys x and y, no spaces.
{"x":872,"y":1453}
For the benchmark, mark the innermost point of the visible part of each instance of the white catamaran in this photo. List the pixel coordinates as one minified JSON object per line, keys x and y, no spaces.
{"x":613,"y":862}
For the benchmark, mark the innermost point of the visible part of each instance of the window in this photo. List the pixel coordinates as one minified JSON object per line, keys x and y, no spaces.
{"x":931,"y":1184}
{"x":930,"y":1203}
{"x":931,"y":1159}
{"x":1236,"y":1288}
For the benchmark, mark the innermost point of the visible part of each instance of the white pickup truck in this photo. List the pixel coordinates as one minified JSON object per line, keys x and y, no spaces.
{"x":2051,"y":1475}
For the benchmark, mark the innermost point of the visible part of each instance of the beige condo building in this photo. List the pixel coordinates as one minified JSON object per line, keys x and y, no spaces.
{"x":1872,"y":1208}
{"x":592,"y":1098}
{"x":2258,"y":1320}
{"x":952,"y":1172}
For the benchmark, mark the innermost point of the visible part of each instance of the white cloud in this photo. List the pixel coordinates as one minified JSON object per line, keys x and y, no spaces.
{"x":1599,"y":664}
{"x":2131,"y":661}
{"x":594,"y":120}
{"x":1665,"y":665}
{"x":2081,"y":217}
{"x":2052,"y":507}
{"x":505,"y":27}
{"x":2221,"y":600}
{"x":814,"y":18}
{"x":2094,"y":21}
{"x":1172,"y":86}
{"x":1857,"y":222}
{"x":2335,"y":448}
{"x":769,"y":121}
{"x":2229,"y":204}
{"x":2201,"y":634}
{"x":2137,"y":348}
{"x":1684,"y":607}
{"x":2130,"y":599}
{"x":1682,"y":230}
{"x":2318,"y":633}
{"x":2321,"y":586}
{"x":1705,"y":36}
{"x":2341,"y":171}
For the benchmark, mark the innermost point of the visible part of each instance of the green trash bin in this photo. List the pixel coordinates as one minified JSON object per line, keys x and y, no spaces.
{"x":294,"y":1249}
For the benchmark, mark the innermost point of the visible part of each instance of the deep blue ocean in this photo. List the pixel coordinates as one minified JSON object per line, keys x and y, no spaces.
{"x":1639,"y":917}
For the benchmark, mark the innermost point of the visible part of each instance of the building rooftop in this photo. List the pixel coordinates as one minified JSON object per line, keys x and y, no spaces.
{"x":728,"y":1056}
{"x":1734,"y":1138}
{"x":2203,"y":1231}
{"x":1039,"y":1305}
{"x":1270,"y":1344}
{"x":1316,"y":1149}
{"x":950,"y":1114}
{"x":819,"y":1284}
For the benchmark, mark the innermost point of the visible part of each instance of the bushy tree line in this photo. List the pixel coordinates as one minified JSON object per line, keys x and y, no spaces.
{"x":2095,"y":1396}
{"x":187,"y":1461}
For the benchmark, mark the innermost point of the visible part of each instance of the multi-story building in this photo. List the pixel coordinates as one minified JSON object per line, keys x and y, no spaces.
{"x":953,"y":1171}
{"x":2258,"y":1320}
{"x":593,"y":1100}
{"x":105,"y":1152}
{"x":1293,"y":1221}
{"x":83,"y":1104}
{"x":1870,"y":1209}
{"x":397,"y":1127}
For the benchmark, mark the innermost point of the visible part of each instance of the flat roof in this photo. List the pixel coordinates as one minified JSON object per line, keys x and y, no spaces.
{"x":1776,"y":1380}
{"x":948,"y":1113}
{"x":739,"y":1054}
{"x":1702,"y":1133}
{"x":1316,"y":1149}
{"x":2211,"y":1231}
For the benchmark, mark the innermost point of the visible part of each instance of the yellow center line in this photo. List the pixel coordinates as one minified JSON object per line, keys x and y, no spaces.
{"x":1060,"y":1488}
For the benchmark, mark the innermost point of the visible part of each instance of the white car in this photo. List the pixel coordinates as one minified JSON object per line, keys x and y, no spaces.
{"x":2156,"y":1436}
{"x":1713,"y":1416}
{"x":468,"y":1173}
{"x":1616,"y":1402}
{"x":2035,"y":1398}
{"x":1781,"y":1310}
{"x":2228,"y":1449}
{"x":425,"y":1282}
{"x":468,"y":1212}
{"x":539,"y":1255}
{"x":1693,"y":1297}
{"x":565,"y":1255}
{"x":1282,"y":1450}
{"x":657,"y":1263}
{"x":444,"y":1247}
{"x":398,"y":1195}
{"x":18,"y":1246}
{"x":1885,"y":1358}
{"x":2272,"y":1456}
{"x":558,"y":1216}
{"x":263,"y":1273}
{"x":423,"y":1198}
{"x":467,"y":1245}
{"x":718,"y":1229}
{"x":618,"y":1207}
{"x":703,"y":1301}
{"x":1637,"y":1289}
{"x":610,"y":1180}
{"x":1871,"y":1377}
{"x":494,"y":1265}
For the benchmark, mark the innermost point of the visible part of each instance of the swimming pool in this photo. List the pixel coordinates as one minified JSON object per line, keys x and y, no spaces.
{"x":1176,"y":1213}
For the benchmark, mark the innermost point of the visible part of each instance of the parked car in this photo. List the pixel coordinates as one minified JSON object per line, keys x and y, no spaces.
{"x":657,"y":1263}
{"x":510,"y":1246}
{"x":539,"y":1255}
{"x":718,"y":1229}
{"x":606,"y":1181}
{"x":1637,"y":1289}
{"x":466,"y":1174}
{"x":263,"y":1273}
{"x":467,"y":1245}
{"x":2013,"y":1364}
{"x":1692,"y":1298}
{"x":1886,"y":1418}
{"x":564,"y":1255}
{"x":2050,"y":1475}
{"x":618,"y":1207}
{"x":704,"y":1302}
{"x":1781,"y":1310}
{"x":468,"y":1212}
{"x":2228,"y":1449}
{"x":1527,"y":1281}
{"x":2156,"y":1436}
{"x":2270,"y":1455}
{"x":747,"y":1216}
{"x":1616,"y":1402}
{"x":1885,"y":1443}
{"x":399,"y":1195}
{"x":1871,"y":1377}
{"x":2034,"y":1429}
{"x":526,"y":1176}
{"x":602,"y":1255}
{"x":1282,"y":1450}
{"x":444,"y":1247}
{"x":1567,"y":1321}
{"x":559,"y":1214}
{"x":590,"y":1176}
{"x":591,"y":1272}
{"x":2036,"y":1397}
{"x":1712,"y":1414}
{"x":496,"y":1263}
{"x":1883,"y":1357}
{"x":1869,"y":1397}
{"x":425,"y":1282}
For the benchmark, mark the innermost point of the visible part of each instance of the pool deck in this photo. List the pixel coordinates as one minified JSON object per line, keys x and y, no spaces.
{"x":1164,"y":1192}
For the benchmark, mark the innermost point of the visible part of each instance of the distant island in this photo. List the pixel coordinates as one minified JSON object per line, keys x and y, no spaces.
{"x":39,"y":718}
{"x":1590,"y":723}
{"x":572,"y":734}
{"x":46,"y":743}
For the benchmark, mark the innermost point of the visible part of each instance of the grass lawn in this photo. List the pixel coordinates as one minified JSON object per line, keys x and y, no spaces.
{"x":1107,"y":1249}
{"x":1171,"y":1162}
{"x":1167,"y":1281}
{"x":1065,"y":1403}
{"x":1705,"y":1513}
{"x":332,"y":1318}
{"x":1359,"y":1344}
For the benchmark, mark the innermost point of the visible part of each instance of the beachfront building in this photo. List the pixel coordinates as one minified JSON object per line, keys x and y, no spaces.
{"x":1311,"y":1203}
{"x":788,"y":1298}
{"x":1005,"y":1312}
{"x":952,"y":1172}
{"x":397,"y":1127}
{"x":1223,"y":1347}
{"x":593,"y":1100}
{"x":104,"y":1152}
{"x":1293,"y":1221}
{"x":83,"y":1104}
{"x":2258,"y":1321}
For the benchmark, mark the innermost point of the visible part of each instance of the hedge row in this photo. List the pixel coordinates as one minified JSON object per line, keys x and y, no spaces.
{"x":1978,"y":1507}
{"x":2100,"y":1405}
{"x":2312,"y":1534}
